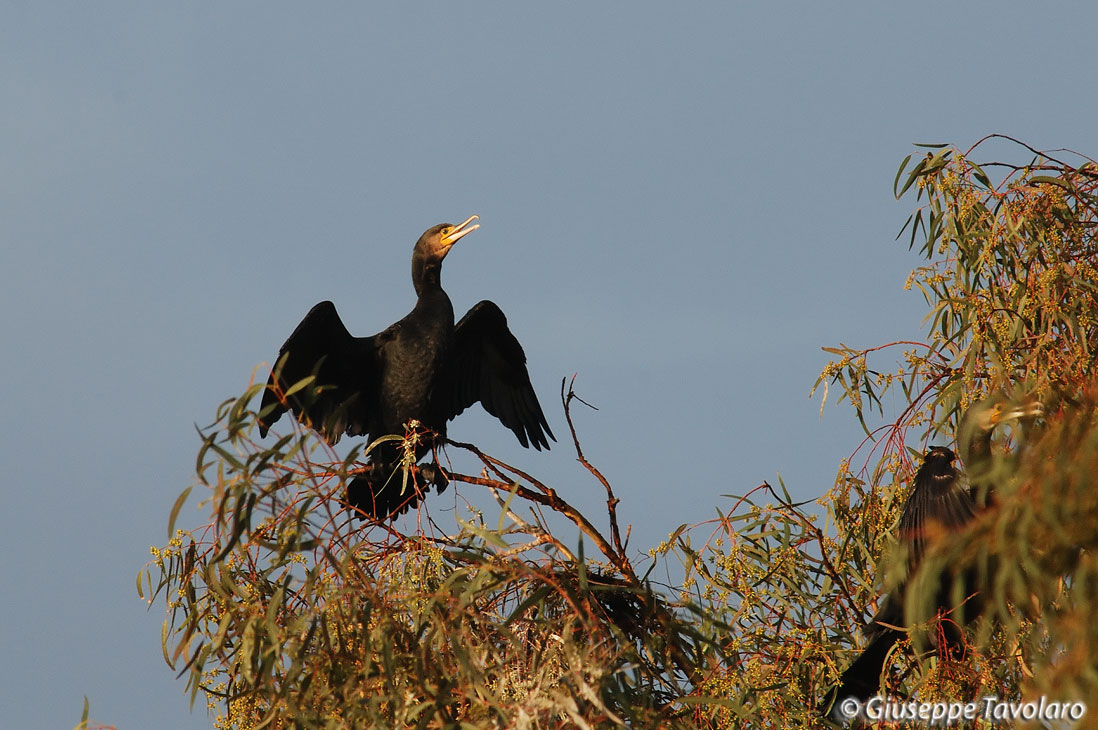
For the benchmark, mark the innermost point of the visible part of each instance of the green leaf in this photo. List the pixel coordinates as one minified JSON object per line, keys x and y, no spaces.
{"x":537,"y":596}
{"x":980,"y":176}
{"x":83,"y":724}
{"x":899,"y":172}
{"x":303,"y":383}
{"x":912,"y":177}
{"x":175,"y":511}
{"x":228,"y":457}
{"x":1048,"y":180}
{"x":581,"y":565}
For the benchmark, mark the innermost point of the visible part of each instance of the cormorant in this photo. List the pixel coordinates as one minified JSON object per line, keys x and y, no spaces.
{"x":940,"y":503}
{"x":421,"y":368}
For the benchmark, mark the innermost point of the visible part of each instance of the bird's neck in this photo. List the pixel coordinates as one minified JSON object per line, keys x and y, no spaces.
{"x":426,"y":275}
{"x":977,"y":456}
{"x":978,"y":451}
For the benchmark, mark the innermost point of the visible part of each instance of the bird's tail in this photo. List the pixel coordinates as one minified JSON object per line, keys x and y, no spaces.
{"x":860,"y":681}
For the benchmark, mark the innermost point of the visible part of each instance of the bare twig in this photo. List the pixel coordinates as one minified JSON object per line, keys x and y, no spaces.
{"x":611,"y":501}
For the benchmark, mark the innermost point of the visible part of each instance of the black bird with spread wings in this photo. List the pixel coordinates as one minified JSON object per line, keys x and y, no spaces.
{"x":942,"y":502}
{"x":423,"y":368}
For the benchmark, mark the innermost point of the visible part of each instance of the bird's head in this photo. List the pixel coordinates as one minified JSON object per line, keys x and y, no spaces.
{"x":937,"y":472}
{"x":431,"y":249}
{"x":436,"y":241}
{"x":939,"y":455}
{"x":1000,"y":408}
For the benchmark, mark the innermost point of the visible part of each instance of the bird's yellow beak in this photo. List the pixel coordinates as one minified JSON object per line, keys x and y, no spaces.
{"x":467,"y":226}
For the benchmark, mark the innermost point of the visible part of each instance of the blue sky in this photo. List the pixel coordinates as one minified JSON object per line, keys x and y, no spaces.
{"x":681,"y":204}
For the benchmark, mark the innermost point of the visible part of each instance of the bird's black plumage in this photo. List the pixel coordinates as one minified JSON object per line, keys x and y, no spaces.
{"x":421,"y":368}
{"x":941,"y":503}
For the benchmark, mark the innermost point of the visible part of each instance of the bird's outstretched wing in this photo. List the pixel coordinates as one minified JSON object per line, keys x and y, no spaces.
{"x":344,"y":389}
{"x":487,"y":364}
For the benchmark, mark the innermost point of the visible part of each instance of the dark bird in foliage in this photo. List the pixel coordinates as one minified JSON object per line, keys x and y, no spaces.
{"x":942,"y":502}
{"x":422,"y":368}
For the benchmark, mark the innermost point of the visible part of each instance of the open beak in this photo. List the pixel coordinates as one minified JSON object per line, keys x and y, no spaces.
{"x":1020,"y":412}
{"x":1034,"y":409}
{"x":467,"y":226}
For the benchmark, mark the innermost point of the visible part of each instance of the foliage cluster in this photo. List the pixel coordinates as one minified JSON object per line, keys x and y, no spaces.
{"x":284,"y":612}
{"x":1010,"y":280}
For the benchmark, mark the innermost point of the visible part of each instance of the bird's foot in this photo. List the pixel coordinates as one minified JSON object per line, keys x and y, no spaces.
{"x":433,"y":474}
